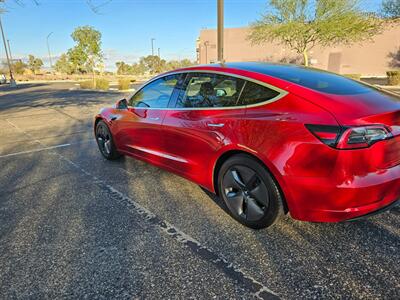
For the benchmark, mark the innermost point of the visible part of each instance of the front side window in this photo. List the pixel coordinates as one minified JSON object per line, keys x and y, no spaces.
{"x":254,"y":93}
{"x":156,"y":94}
{"x":210,"y":90}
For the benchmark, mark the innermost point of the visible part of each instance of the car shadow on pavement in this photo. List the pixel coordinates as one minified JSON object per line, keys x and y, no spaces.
{"x":321,"y":260}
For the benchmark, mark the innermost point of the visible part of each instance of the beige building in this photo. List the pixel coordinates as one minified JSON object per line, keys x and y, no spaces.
{"x":370,"y":58}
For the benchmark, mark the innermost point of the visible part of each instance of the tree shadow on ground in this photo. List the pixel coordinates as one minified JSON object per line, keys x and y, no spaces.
{"x":394,"y":59}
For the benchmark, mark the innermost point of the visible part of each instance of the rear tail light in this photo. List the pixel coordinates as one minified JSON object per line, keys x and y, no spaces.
{"x":327,"y":134}
{"x":350,"y":137}
{"x":363,"y":137}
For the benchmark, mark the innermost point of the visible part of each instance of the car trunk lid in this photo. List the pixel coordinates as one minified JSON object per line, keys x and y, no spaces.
{"x":375,"y":107}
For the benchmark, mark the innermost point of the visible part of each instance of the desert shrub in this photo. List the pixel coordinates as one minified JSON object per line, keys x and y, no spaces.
{"x":102,"y":84}
{"x":124,"y":84}
{"x":393,"y":77}
{"x":353,"y":76}
{"x":87,"y":84}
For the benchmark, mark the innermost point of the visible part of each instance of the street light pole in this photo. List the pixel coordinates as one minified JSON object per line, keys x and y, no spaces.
{"x":220,"y":30}
{"x":48,"y":49}
{"x":152,"y":46}
{"x":9,"y":51}
{"x":12,"y":81}
{"x":206,"y":46}
{"x":159,"y":53}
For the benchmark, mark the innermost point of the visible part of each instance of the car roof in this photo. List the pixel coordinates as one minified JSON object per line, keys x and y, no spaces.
{"x":266,"y":68}
{"x":306,"y":77}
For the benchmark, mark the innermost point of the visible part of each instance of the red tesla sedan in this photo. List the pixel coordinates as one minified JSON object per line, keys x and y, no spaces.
{"x":267,"y":138}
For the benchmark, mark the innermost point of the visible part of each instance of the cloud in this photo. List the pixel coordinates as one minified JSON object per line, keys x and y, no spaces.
{"x":111,"y":56}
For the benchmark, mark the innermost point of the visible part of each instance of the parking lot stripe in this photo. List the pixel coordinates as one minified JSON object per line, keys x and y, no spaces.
{"x":35,"y":150}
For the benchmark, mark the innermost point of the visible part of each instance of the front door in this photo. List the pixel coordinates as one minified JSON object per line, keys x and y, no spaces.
{"x":201,"y":123}
{"x":140,"y":126}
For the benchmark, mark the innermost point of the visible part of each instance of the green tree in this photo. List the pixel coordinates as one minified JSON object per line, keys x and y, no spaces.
{"x":391,"y":8}
{"x":153,"y":63}
{"x":301,"y":24}
{"x":63,"y":65}
{"x":77,"y":59}
{"x":19,"y":67}
{"x":34,"y":64}
{"x":126,"y":69}
{"x":138,"y":69}
{"x":175,"y":64}
{"x":186,"y":63}
{"x":123,"y":68}
{"x":86,"y":55}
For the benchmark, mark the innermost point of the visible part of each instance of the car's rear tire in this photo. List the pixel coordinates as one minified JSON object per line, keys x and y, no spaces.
{"x":105,"y":141}
{"x":250,"y":193}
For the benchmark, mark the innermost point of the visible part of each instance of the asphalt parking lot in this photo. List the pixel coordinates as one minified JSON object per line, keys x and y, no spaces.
{"x":74,"y":225}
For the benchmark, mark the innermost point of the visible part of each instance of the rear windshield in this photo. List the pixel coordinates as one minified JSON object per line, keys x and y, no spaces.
{"x":315,"y":79}
{"x":322,"y":81}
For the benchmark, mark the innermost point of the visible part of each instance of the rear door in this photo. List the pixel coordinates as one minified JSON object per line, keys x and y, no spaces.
{"x":140,"y":126}
{"x":205,"y":118}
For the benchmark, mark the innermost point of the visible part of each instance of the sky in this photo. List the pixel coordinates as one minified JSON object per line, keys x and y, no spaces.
{"x":127,"y":26}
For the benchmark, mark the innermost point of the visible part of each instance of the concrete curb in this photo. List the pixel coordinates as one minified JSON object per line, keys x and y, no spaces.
{"x":388,"y":87}
{"x":111,"y":90}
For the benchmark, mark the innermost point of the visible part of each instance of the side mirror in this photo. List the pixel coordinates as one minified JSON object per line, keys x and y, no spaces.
{"x":122,"y":104}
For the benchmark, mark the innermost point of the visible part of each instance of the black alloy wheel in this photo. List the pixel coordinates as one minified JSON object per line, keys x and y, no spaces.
{"x":249,"y":192}
{"x":105,"y":141}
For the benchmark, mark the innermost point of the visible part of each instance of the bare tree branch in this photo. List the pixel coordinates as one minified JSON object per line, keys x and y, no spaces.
{"x":96,"y":8}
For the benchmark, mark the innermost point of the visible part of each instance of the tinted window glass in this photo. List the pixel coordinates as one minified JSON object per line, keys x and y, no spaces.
{"x":254,"y":93}
{"x":156,"y":94}
{"x":324,"y":82}
{"x":210,"y":90}
{"x":315,"y":79}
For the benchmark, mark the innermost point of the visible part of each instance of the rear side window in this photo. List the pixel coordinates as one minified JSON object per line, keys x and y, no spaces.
{"x":210,"y":90}
{"x":254,"y":93}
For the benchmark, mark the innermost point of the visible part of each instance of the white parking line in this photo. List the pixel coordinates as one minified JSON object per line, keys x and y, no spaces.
{"x":35,"y":150}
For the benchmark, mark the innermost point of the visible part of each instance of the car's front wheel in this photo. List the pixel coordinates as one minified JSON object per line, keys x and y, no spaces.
{"x":105,"y":141}
{"x":249,"y":192}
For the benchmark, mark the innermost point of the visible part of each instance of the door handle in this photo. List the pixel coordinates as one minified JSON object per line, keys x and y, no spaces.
{"x":215,"y":124}
{"x":154,"y":118}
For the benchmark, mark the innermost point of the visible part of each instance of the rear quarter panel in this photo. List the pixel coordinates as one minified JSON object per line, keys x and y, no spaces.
{"x":276,"y":134}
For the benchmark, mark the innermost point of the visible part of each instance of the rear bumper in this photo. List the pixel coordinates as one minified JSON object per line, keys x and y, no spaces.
{"x":332,"y":200}
{"x":380,"y":210}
